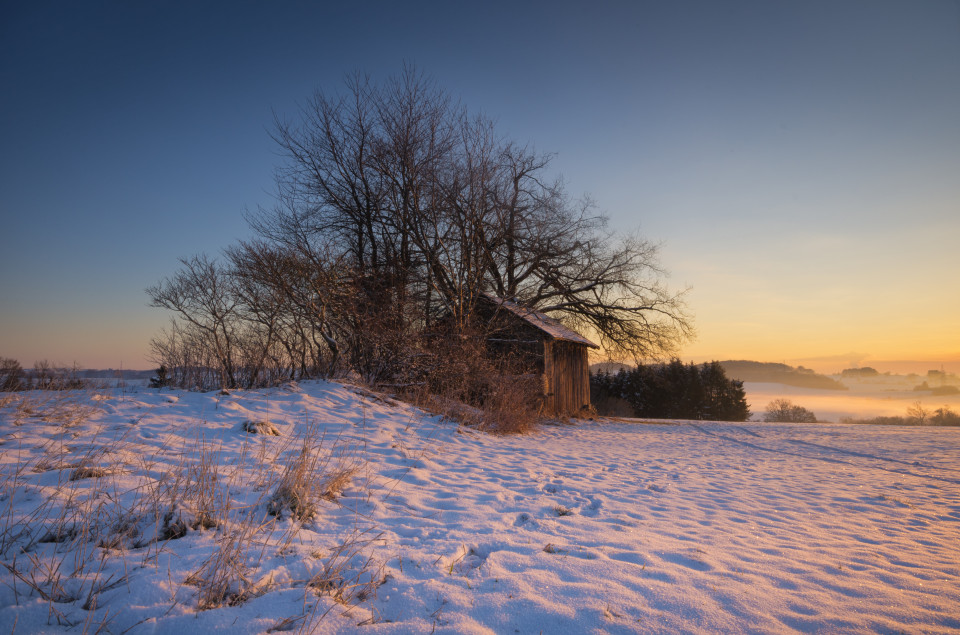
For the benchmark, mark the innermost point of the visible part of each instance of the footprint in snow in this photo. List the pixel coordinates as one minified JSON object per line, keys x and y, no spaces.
{"x":526,"y":521}
{"x":689,"y":562}
{"x":593,"y":508}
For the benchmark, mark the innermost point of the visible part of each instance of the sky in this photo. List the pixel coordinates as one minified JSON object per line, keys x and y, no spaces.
{"x":798,"y":161}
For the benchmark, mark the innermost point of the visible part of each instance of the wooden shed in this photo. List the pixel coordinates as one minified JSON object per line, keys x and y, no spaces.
{"x":558,"y":354}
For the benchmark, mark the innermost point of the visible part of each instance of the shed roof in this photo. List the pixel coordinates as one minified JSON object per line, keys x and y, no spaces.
{"x":540,"y":321}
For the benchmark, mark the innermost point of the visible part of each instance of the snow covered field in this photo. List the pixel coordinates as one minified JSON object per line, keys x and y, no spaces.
{"x":595,"y":527}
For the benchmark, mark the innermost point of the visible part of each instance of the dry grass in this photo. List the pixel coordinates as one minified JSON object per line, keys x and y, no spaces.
{"x":112,"y":501}
{"x":225,"y":578}
{"x":560,"y":510}
{"x":311,"y":474}
{"x":260,"y":427}
{"x":348,"y":576}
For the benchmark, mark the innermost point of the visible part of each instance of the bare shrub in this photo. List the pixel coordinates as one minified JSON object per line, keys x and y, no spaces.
{"x":465,"y":383}
{"x":784,"y":411}
{"x":510,"y":405}
{"x":11,"y":375}
{"x":945,"y":417}
{"x":47,"y":376}
{"x":918,"y":413}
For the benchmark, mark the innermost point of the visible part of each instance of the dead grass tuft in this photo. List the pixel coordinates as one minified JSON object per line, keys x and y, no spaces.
{"x":310,"y":475}
{"x":260,"y":427}
{"x":224,"y":578}
{"x":89,"y":471}
{"x":336,"y":481}
{"x":298,"y":489}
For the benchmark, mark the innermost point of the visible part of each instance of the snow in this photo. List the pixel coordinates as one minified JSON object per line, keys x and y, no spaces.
{"x":544,"y":322}
{"x":588,"y":527}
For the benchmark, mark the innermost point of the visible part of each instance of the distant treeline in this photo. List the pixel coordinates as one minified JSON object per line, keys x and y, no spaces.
{"x":47,"y":376}
{"x":779,"y":374}
{"x":917,"y":415}
{"x":671,"y":391}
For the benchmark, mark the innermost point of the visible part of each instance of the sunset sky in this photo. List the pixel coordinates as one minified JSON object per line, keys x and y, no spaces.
{"x":799,"y":161}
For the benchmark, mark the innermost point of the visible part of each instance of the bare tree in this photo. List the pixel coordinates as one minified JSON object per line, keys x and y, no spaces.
{"x":435,"y":208}
{"x":203,"y":296}
{"x":784,"y":411}
{"x":917,"y":413}
{"x":395,"y":211}
{"x":11,"y":375}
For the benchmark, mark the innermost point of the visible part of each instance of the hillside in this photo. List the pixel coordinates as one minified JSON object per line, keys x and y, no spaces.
{"x":779,"y":374}
{"x":148,"y":511}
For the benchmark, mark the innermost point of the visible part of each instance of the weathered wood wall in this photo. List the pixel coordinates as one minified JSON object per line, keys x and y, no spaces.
{"x":566,"y":377}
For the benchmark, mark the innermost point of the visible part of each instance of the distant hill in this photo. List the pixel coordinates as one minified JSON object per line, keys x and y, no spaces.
{"x":779,"y":374}
{"x":754,"y":371}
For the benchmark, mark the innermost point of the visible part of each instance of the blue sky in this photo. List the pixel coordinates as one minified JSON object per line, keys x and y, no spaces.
{"x":800,"y":161}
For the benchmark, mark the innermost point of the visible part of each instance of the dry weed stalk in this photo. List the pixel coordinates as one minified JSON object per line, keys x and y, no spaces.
{"x":311,"y":474}
{"x":224,"y":578}
{"x":348,"y":576}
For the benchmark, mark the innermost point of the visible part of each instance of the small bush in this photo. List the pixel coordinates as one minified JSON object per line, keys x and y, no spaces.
{"x":784,"y":411}
{"x":945,"y":417}
{"x":162,"y":379}
{"x":11,"y":375}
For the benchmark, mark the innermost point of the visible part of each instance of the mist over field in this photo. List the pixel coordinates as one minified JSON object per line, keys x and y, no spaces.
{"x":861,"y":401}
